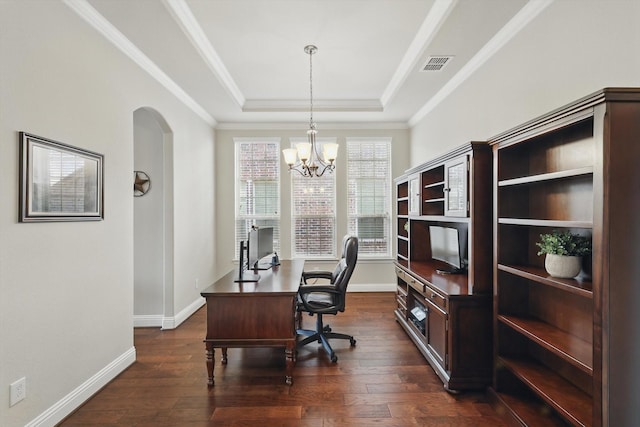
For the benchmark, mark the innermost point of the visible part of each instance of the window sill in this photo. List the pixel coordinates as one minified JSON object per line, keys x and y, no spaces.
{"x":361,"y":260}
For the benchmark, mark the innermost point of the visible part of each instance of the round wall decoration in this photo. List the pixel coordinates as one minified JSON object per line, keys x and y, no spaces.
{"x":141,"y":183}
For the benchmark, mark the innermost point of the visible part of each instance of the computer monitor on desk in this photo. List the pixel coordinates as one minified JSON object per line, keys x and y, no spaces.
{"x":260,"y":246}
{"x":243,"y":274}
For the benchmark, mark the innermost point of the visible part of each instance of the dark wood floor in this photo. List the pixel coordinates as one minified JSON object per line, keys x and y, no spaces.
{"x":383,"y":381}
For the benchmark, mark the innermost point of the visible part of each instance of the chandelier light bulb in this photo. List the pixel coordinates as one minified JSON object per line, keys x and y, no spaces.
{"x":290,"y":156}
{"x":304,"y":151}
{"x":330,"y":152}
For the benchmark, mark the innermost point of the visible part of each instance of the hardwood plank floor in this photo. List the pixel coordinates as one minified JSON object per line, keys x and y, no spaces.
{"x":382,"y":381}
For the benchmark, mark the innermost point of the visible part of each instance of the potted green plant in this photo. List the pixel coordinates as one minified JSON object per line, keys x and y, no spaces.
{"x":564,"y":251}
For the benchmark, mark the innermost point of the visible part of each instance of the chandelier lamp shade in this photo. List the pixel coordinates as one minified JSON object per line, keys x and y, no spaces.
{"x":305,"y":158}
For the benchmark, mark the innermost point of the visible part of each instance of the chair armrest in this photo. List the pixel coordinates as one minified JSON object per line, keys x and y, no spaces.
{"x":317,"y":274}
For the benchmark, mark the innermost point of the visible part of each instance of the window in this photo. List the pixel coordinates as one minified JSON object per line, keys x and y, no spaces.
{"x":257,"y":187}
{"x":369,"y":192}
{"x":313,"y":212}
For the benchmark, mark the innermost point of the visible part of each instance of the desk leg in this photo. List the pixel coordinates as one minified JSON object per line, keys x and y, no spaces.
{"x":210,"y":362}
{"x":224,"y":355}
{"x":290,"y":355}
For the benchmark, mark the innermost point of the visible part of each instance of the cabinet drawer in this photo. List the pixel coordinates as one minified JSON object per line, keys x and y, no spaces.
{"x":401,"y":296}
{"x":435,"y":298}
{"x":401,"y":274}
{"x":402,"y":304}
{"x":401,"y":293}
{"x":414,"y":283}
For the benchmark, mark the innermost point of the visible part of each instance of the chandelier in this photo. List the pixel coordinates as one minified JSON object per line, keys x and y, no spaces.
{"x":305,"y":158}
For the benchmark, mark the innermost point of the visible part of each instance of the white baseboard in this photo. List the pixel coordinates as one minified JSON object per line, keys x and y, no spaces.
{"x":147,"y":320}
{"x":174,"y":322}
{"x":167,"y":322}
{"x":371,"y":287}
{"x":77,"y":397}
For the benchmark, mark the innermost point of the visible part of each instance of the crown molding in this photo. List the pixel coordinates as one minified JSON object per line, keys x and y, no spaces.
{"x":506,"y":33}
{"x":183,"y":16}
{"x":302,"y":127}
{"x":430,"y":26}
{"x":104,"y":27}
{"x":299,"y":105}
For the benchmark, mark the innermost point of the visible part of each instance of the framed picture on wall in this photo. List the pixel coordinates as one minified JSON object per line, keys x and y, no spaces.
{"x":59,"y":182}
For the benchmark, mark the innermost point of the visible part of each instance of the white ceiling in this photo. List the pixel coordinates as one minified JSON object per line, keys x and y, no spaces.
{"x":238,"y":62}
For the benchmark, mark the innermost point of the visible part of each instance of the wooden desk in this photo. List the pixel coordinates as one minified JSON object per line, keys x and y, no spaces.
{"x":254,"y":314}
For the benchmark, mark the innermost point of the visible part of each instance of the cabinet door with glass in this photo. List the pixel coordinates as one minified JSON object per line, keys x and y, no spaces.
{"x":455,"y":187}
{"x":414,"y":195}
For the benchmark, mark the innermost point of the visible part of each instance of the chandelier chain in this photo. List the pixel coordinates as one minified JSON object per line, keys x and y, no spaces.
{"x":311,"y":124}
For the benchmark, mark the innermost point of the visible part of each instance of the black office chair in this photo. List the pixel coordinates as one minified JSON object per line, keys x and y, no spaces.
{"x":328,"y":298}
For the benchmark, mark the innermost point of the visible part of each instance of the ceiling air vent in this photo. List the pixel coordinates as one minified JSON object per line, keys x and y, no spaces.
{"x":436,"y":63}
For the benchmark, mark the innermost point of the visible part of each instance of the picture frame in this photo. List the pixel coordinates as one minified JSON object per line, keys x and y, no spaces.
{"x":59,"y":182}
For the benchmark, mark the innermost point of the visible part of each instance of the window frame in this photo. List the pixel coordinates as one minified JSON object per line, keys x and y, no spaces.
{"x":295,"y":175}
{"x":386,"y":216}
{"x":238,"y":141}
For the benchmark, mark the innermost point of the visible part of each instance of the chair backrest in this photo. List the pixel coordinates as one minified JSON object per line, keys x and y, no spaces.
{"x":346,"y":265}
{"x":340,"y":265}
{"x":345,"y":239}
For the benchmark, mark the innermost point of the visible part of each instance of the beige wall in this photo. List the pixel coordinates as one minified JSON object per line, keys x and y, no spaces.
{"x":66,"y":289}
{"x":373,"y":274}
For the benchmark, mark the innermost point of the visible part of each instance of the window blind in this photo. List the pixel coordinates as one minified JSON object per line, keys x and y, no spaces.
{"x":313,"y":212}
{"x":257,"y":188}
{"x":369,"y":194}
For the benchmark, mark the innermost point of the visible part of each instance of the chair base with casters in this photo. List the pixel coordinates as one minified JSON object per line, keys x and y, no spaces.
{"x":322,"y":334}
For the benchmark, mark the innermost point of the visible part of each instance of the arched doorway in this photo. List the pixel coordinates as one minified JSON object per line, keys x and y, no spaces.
{"x":153,"y":220}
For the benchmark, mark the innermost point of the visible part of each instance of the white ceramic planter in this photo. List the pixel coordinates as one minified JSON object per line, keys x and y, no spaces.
{"x":562,"y":266}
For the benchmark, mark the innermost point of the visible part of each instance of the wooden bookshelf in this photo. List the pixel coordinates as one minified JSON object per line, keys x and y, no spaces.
{"x":563,"y":347}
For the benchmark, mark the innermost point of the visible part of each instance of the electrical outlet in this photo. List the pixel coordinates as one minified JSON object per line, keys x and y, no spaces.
{"x":18,"y":391}
{"x":197,"y":283}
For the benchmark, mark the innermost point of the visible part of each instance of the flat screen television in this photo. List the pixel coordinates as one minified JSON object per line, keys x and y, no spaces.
{"x":260,"y":245}
{"x":447,"y":246}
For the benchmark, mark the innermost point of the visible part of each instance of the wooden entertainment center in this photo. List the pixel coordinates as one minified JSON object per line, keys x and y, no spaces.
{"x":562,"y":351}
{"x":455,"y":334}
